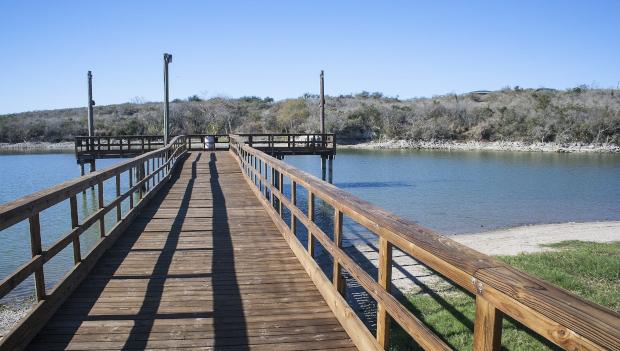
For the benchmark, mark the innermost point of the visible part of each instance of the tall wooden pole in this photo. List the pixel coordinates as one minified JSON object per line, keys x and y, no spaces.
{"x":322,"y":104}
{"x":91,"y":122}
{"x":167,"y":60}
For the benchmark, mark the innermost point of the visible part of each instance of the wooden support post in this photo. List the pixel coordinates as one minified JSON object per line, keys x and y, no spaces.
{"x":337,"y":274}
{"x":118,"y":193}
{"x":82,"y":174}
{"x":322,"y":103}
{"x":130,"y":186}
{"x":294,"y":201}
{"x":102,"y":219}
{"x":93,"y":167}
{"x":311,"y":218}
{"x":77,"y":252}
{"x":487,"y":327}
{"x":323,"y":159}
{"x":385,"y":278}
{"x":330,"y":171}
{"x":35,"y":247}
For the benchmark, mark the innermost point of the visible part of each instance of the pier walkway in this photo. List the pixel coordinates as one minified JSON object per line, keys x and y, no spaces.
{"x":214,"y":250}
{"x":203,"y":266}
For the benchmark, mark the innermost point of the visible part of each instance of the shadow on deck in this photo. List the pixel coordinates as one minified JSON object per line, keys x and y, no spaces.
{"x":201,"y":267}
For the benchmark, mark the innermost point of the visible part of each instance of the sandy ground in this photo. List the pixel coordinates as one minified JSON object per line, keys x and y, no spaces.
{"x":530,"y":238}
{"x":364,"y":249}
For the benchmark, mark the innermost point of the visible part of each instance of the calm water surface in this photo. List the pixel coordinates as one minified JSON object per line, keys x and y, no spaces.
{"x":452,"y":192}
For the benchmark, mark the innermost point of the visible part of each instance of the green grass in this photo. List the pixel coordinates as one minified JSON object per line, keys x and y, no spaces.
{"x":590,"y":270}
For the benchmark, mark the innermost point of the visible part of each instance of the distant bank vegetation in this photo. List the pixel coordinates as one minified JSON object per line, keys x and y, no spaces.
{"x":512,"y":114}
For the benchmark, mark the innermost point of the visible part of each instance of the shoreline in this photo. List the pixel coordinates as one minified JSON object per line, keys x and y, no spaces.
{"x":482,"y":146}
{"x":391,"y":144}
{"x":532,"y":238}
{"x":502,"y":242}
{"x":37,"y":146}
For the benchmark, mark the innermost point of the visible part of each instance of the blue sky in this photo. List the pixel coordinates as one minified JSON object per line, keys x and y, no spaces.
{"x":277,"y":48}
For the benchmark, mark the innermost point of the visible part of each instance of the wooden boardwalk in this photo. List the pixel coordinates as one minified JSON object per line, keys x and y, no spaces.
{"x":202,"y":267}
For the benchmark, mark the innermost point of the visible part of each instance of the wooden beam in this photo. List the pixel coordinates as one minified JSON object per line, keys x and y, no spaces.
{"x":77,"y":253}
{"x":385,"y":279}
{"x":311,"y":218}
{"x":35,"y":247}
{"x":338,"y":279}
{"x":487,"y":327}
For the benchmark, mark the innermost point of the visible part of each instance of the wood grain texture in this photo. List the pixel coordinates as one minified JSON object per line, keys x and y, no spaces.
{"x":217,"y":275}
{"x":554,"y":313}
{"x":487,"y":327}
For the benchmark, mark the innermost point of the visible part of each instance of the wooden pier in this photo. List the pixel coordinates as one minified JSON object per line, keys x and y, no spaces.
{"x":203,"y":257}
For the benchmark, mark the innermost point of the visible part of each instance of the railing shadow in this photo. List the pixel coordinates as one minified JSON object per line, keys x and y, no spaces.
{"x":228,"y":314}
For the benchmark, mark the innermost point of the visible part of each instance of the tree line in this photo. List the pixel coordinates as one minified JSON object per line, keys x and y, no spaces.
{"x":575,"y":115}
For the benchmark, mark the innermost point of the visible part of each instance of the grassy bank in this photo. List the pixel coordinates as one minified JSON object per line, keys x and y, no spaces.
{"x":587,"y":269}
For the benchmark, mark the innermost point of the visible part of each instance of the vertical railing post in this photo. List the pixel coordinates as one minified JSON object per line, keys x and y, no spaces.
{"x":131,"y":186}
{"x":311,"y":218}
{"x":274,"y":184}
{"x":281,"y":188}
{"x":35,"y":247}
{"x":77,"y":253}
{"x":118,"y":193}
{"x":337,"y":274}
{"x":385,"y":278}
{"x":294,"y":201}
{"x":102,"y":219}
{"x":266,"y":180}
{"x":146,"y":174}
{"x":487,"y":326}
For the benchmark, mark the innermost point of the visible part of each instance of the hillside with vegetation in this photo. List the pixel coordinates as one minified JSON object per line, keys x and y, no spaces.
{"x":578,"y":115}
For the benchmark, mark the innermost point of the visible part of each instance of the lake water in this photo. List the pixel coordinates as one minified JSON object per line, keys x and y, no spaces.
{"x":451,"y":192}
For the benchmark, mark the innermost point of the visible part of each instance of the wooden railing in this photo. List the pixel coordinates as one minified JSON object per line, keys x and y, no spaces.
{"x":555,"y":314}
{"x":198,"y":142}
{"x":116,"y":146}
{"x":146,"y":173}
{"x":291,"y":143}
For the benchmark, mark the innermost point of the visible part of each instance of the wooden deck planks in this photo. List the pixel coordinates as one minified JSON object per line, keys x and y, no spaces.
{"x":202,"y":267}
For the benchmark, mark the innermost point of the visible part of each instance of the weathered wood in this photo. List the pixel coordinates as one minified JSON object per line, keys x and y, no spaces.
{"x":355,"y":328}
{"x":131,"y":193}
{"x":294,"y":201}
{"x":311,"y":219}
{"x":576,"y":324}
{"x":77,"y":252}
{"x":9,"y":213}
{"x":23,"y":208}
{"x":266,"y":277}
{"x":338,"y":280}
{"x":35,"y":247}
{"x":101,"y":205}
{"x":384,"y":279}
{"x":488,"y":326}
{"x":118,"y":193}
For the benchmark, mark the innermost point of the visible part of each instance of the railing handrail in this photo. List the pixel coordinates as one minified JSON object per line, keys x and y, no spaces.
{"x":24,"y":207}
{"x":558,"y":315}
{"x":152,"y":171}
